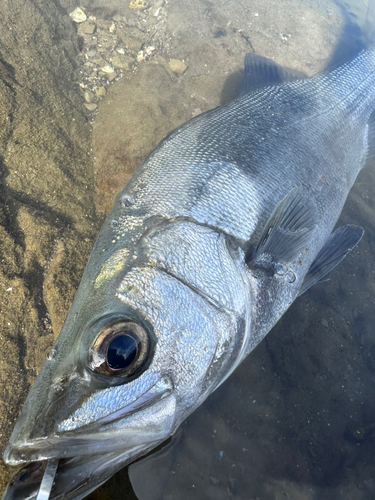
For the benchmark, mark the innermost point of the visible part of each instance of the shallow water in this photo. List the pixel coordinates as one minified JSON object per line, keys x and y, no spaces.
{"x":296,"y":419}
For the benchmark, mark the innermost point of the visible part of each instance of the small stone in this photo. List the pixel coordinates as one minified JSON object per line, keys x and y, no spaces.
{"x":178,"y":67}
{"x":108,"y":69}
{"x":89,"y":96}
{"x":106,"y":41}
{"x":104,"y":24}
{"x":140,"y":56}
{"x":100,"y":62}
{"x":112,"y":76}
{"x":324,"y":322}
{"x":122,"y":61}
{"x":138,"y":4}
{"x":91,"y":53}
{"x":129,"y":41}
{"x":101,"y":92}
{"x":91,"y":106}
{"x":86,"y":28}
{"x":78,"y":16}
{"x":149,"y":50}
{"x":214,"y":480}
{"x":155,"y":10}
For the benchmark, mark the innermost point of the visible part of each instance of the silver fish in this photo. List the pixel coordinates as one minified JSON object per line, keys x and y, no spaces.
{"x":221,"y":228}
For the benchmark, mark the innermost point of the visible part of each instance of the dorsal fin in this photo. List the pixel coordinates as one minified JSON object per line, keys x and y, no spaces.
{"x":261,"y":72}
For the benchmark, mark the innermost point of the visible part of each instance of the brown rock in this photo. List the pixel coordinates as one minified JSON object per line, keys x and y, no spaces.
{"x":46,"y":185}
{"x":122,"y":61}
{"x":86,"y":28}
{"x":104,"y":23}
{"x":178,"y":67}
{"x":130,"y":42}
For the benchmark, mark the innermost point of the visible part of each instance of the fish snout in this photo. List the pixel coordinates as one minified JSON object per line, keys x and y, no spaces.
{"x":96,"y":427}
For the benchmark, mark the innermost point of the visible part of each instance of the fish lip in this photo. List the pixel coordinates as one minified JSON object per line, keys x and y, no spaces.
{"x":62,"y":445}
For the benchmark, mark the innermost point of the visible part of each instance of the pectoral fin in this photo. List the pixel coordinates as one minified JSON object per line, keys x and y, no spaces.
{"x":338,"y":245}
{"x":287,"y":232}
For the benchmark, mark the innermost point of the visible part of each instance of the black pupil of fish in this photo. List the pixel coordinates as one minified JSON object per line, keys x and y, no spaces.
{"x":122,"y":352}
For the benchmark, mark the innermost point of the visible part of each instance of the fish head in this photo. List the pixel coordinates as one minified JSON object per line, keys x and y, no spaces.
{"x":146,"y":341}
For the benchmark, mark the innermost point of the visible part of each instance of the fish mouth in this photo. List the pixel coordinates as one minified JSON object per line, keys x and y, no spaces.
{"x":139,"y":425}
{"x":75,"y":477}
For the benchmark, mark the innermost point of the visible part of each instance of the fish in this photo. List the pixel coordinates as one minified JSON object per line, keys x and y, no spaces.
{"x":226,"y":222}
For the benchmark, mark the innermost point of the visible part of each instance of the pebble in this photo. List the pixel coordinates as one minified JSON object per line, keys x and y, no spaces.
{"x":141,"y":56}
{"x":91,"y":53}
{"x":101,"y":62}
{"x":108,"y":69}
{"x":78,"y":16}
{"x":101,"y":92}
{"x":176,"y":66}
{"x":89,"y":96}
{"x":86,"y":28}
{"x":112,"y":76}
{"x":91,"y":106}
{"x":122,"y":61}
{"x":117,"y":45}
{"x":103,"y":23}
{"x":129,"y":41}
{"x":138,"y":4}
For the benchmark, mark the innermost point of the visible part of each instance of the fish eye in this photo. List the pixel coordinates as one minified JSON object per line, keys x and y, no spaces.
{"x":120,"y":349}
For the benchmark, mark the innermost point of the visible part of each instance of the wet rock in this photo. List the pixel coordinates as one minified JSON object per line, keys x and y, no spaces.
{"x":178,"y":67}
{"x":86,"y":28}
{"x":122,"y":61}
{"x":91,"y":106}
{"x":104,"y":24}
{"x":138,"y":4}
{"x":100,"y":62}
{"x":46,"y":182}
{"x":78,"y":16}
{"x":106,"y":41}
{"x":108,"y":69}
{"x":129,"y":41}
{"x":111,"y":76}
{"x":101,"y":92}
{"x":89,"y":96}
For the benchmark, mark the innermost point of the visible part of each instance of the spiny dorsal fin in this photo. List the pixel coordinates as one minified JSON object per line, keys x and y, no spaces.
{"x":338,"y":245}
{"x":288,"y":230}
{"x":261,"y":72}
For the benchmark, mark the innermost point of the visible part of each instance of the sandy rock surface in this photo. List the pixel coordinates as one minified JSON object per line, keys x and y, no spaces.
{"x":46,"y":202}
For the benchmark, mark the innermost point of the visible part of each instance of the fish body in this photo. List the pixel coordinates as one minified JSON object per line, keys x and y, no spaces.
{"x":225,"y":223}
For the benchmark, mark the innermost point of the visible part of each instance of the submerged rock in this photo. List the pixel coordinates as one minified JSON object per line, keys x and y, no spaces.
{"x":78,"y":16}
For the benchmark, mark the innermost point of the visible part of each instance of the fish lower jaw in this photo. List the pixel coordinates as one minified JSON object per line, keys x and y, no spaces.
{"x":153,"y":424}
{"x":56,"y":448}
